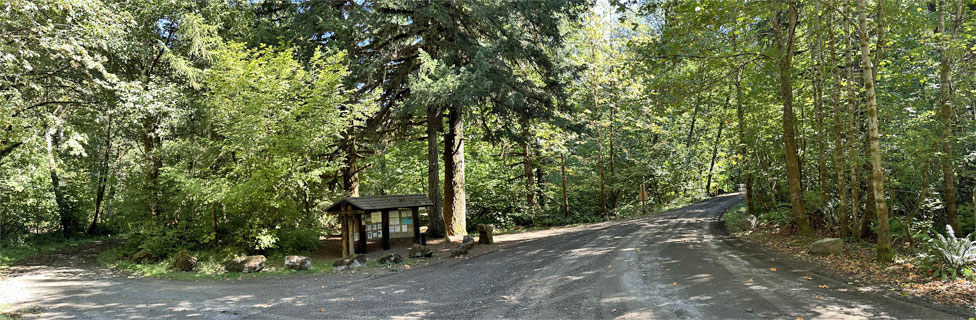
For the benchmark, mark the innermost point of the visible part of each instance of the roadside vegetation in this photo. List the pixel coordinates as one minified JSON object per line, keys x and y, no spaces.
{"x":226,"y":128}
{"x":13,"y":251}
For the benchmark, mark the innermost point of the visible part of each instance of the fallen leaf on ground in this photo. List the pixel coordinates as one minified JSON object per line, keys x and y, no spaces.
{"x":799,"y":318}
{"x":614,"y":310}
{"x":818,"y":298}
{"x":749,"y":310}
{"x":772,"y":269}
{"x":823,"y":286}
{"x":750,"y":280}
{"x":806,"y":278}
{"x":609,"y":267}
{"x":674,"y":283}
{"x":322,"y":309}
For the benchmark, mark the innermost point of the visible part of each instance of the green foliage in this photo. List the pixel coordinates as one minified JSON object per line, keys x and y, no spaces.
{"x":956,"y":256}
{"x":16,"y":249}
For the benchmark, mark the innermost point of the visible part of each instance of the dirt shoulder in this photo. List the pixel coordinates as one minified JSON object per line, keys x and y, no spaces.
{"x":902,"y":279}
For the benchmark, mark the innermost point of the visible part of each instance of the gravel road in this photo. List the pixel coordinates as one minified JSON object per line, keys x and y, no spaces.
{"x":678,"y":265}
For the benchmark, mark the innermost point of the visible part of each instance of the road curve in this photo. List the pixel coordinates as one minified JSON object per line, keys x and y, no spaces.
{"x":677,"y":265}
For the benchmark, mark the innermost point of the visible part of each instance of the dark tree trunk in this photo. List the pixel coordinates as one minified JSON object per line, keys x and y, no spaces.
{"x":454,"y":195}
{"x":350,"y":172}
{"x":785,"y":43}
{"x":435,"y":223}
{"x":839,"y":166}
{"x":562,"y":165}
{"x":53,"y":137}
{"x":711,"y":166}
{"x":102,"y":179}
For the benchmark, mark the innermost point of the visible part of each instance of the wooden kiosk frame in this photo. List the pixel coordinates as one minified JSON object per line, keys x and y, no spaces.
{"x":352,"y":210}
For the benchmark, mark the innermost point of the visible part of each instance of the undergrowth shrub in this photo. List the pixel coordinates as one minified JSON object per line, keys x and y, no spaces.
{"x":954,"y":256}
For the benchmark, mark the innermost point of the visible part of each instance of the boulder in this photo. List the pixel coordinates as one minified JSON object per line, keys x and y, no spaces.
{"x":390,"y":258}
{"x":353,"y":261}
{"x":419,"y":251}
{"x":747,"y":222}
{"x":142,"y":256}
{"x":827,"y":246}
{"x":463,"y":249}
{"x":298,"y":263}
{"x":185,"y":262}
{"x":246,"y":264}
{"x":486,"y":234}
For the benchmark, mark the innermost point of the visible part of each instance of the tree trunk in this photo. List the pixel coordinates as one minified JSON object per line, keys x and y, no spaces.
{"x":852,"y":91}
{"x":743,"y":142}
{"x":102,"y":179}
{"x":599,"y":144}
{"x":350,"y":173}
{"x":150,"y":142}
{"x":614,"y":193}
{"x":947,"y":114}
{"x":819,"y":114}
{"x":531,"y":202}
{"x":562,"y":165}
{"x":883,"y":248}
{"x":711,"y":166}
{"x":454,"y":196}
{"x":839,"y":165}
{"x":540,"y":183}
{"x":435,"y":224}
{"x":52,"y":137}
{"x":786,"y":43}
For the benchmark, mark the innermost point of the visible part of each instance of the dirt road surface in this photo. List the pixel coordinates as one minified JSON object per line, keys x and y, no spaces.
{"x":677,"y":265}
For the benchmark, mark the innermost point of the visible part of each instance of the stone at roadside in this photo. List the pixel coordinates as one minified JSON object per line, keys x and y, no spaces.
{"x":747,"y":222}
{"x":352,"y":262}
{"x":246,"y":264}
{"x":142,"y":257}
{"x":828,"y":246}
{"x":185,"y":262}
{"x":486,"y":234}
{"x":390,"y":258}
{"x":463,"y":248}
{"x":419,"y":251}
{"x":298,"y":263}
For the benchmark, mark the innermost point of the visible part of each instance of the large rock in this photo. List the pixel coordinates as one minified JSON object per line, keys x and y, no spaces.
{"x":142,"y":257}
{"x":486,"y":234}
{"x":419,"y":251}
{"x":463,"y":249}
{"x":827,"y":246}
{"x":185,"y":262}
{"x":353,"y":261}
{"x":747,"y":222}
{"x":390,"y":258}
{"x":298,"y":263}
{"x":247,"y":264}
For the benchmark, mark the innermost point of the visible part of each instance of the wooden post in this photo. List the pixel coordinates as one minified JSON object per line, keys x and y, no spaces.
{"x":350,"y":242}
{"x":345,"y":233}
{"x":362,"y":233}
{"x":386,"y":230}
{"x":643,"y":198}
{"x":416,"y":222}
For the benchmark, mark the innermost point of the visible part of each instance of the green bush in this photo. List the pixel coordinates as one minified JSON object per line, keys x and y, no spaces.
{"x":300,"y":241}
{"x":955,"y":256}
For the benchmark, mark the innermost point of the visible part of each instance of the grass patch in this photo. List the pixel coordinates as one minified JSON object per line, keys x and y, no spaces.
{"x":733,"y":217}
{"x":11,"y":253}
{"x":208,"y":268}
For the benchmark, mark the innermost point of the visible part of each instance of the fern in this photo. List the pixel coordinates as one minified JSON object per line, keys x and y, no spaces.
{"x":954,"y":253}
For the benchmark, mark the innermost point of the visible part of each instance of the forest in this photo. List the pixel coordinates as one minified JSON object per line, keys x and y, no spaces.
{"x":233,"y":125}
